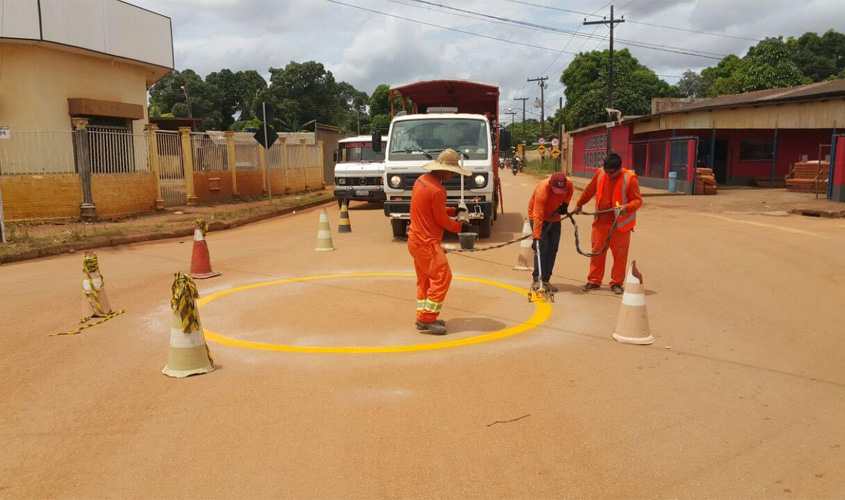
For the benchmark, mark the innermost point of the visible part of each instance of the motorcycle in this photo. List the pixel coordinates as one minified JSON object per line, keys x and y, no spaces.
{"x":501,"y":163}
{"x":515,"y":167}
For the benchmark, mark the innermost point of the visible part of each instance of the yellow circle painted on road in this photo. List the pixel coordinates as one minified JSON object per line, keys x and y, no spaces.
{"x":541,"y":313}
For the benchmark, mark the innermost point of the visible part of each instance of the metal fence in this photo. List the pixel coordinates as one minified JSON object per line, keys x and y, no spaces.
{"x":114,"y":150}
{"x":27,"y":153}
{"x":208,"y":154}
{"x":171,"y":172}
{"x":275,"y":157}
{"x":246,"y":156}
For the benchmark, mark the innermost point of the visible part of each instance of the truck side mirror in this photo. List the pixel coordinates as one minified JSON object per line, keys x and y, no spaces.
{"x":376,"y":141}
{"x":505,"y":140}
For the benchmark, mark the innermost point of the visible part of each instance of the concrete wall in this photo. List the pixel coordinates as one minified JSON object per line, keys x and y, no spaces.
{"x":213,"y":187}
{"x":38,"y":81}
{"x":250,"y":183}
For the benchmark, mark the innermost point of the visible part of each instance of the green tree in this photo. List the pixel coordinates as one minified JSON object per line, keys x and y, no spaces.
{"x":818,"y":57}
{"x":585,"y":82}
{"x":379,"y":102}
{"x":691,"y":84}
{"x":203,"y":100}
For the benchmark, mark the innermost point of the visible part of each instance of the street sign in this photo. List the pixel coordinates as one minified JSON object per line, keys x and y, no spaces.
{"x":555,"y":142}
{"x":270,"y":113}
{"x":519,"y":148}
{"x":555,"y":153}
{"x":541,"y":149}
{"x":272,"y":136}
{"x":542,"y":140}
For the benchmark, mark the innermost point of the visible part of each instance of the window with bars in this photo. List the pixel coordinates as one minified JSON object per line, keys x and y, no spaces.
{"x":755,"y":150}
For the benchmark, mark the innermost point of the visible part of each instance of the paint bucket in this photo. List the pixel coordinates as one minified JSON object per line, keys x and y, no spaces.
{"x":467,"y":240}
{"x":673,"y":181}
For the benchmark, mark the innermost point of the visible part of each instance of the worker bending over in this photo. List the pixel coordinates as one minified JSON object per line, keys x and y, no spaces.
{"x":429,"y":218}
{"x":548,"y":203}
{"x":613,"y":187}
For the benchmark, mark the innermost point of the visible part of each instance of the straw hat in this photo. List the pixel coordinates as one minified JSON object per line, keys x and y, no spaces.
{"x":447,"y":160}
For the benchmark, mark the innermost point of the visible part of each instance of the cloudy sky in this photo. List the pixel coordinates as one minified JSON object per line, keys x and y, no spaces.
{"x":365,"y":48}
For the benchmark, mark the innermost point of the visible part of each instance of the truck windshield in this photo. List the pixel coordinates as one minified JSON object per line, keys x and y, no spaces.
{"x":360,"y":152}
{"x":411,"y":137}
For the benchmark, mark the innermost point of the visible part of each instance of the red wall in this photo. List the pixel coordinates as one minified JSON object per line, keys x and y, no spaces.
{"x":839,"y":165}
{"x":619,"y":144}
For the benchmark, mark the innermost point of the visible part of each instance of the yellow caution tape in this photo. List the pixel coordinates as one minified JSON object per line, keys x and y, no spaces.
{"x":202,"y":225}
{"x":184,"y":302}
{"x":90,"y":266}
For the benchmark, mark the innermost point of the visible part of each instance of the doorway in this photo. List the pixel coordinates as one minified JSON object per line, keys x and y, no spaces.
{"x":720,"y":161}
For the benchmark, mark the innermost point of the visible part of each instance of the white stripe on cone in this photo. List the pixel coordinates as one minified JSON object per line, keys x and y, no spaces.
{"x":632,"y":326}
{"x":198,"y":235}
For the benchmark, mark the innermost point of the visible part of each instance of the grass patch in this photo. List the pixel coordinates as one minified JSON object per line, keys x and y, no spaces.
{"x":543,"y":167}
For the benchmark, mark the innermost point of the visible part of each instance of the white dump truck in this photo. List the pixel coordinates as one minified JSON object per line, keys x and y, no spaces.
{"x":438,"y":115}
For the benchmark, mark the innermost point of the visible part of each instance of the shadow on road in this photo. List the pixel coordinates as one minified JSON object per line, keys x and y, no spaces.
{"x":484,"y":325}
{"x":365,"y":206}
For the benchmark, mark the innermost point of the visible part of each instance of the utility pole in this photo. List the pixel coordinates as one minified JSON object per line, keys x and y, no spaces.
{"x":512,"y":113}
{"x":523,"y":99}
{"x":612,"y":22}
{"x":542,"y":80}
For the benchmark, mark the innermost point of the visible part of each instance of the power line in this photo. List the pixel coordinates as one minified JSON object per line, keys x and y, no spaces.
{"x":633,"y":43}
{"x":641,"y":7}
{"x":688,"y":30}
{"x":445,"y":27}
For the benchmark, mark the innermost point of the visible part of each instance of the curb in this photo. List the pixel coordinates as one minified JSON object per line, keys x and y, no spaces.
{"x":140,"y":238}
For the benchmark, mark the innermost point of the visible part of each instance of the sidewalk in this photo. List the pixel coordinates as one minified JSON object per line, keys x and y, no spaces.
{"x":32,"y":240}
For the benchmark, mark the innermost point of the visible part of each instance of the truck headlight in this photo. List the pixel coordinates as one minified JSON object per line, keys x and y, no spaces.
{"x":341,"y":181}
{"x":395,"y":181}
{"x":479,"y":180}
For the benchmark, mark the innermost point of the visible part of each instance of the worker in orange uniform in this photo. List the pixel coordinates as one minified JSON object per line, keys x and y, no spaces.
{"x":429,"y":218}
{"x":614,"y":188}
{"x":548,"y":203}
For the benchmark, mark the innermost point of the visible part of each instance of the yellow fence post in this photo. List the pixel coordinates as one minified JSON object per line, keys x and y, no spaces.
{"x":322,"y":165}
{"x":304,"y":162}
{"x":285,"y":162}
{"x":262,"y":160}
{"x":230,"y":153}
{"x":155,"y":166}
{"x":188,"y":165}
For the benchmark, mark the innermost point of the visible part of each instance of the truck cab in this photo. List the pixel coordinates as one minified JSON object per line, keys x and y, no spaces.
{"x":444,"y":114}
{"x":358,"y":170}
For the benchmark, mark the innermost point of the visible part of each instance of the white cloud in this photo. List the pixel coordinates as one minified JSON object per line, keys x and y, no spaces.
{"x":366,"y":49}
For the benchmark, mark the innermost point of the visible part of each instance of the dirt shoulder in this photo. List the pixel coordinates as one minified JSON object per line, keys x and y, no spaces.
{"x":31,"y":240}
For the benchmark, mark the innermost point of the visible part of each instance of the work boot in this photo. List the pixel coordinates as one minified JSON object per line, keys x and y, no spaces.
{"x":590,"y":286}
{"x":617,"y":289}
{"x":535,"y":286}
{"x":421,"y":325}
{"x":434,"y":328}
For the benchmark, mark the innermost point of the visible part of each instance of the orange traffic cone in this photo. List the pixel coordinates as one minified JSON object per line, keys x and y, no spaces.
{"x":525,"y":261}
{"x":632,"y":327}
{"x":189,"y":354}
{"x":201,"y":260}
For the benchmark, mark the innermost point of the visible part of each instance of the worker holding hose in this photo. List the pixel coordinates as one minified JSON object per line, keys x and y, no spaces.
{"x":615,"y":188}
{"x":549,"y":202}
{"x":429,"y":218}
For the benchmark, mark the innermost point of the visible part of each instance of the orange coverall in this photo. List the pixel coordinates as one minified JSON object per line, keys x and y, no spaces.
{"x":543,"y":205}
{"x":611,"y":195}
{"x":429,"y":217}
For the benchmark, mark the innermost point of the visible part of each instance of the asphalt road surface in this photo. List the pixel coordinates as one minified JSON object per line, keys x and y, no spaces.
{"x":741,"y":396}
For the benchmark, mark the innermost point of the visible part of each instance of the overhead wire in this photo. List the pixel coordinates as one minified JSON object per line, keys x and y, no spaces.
{"x":623,"y":41}
{"x":443,"y":27}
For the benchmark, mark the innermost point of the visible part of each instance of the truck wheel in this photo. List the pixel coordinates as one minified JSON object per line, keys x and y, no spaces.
{"x":399,"y":227}
{"x":486,"y":227}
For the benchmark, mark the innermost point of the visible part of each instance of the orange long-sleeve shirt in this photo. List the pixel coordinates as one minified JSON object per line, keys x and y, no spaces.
{"x":429,"y":214}
{"x":635,"y":199}
{"x":544,"y":203}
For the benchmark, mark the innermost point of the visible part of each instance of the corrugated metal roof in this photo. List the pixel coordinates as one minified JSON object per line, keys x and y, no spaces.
{"x":813,"y":91}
